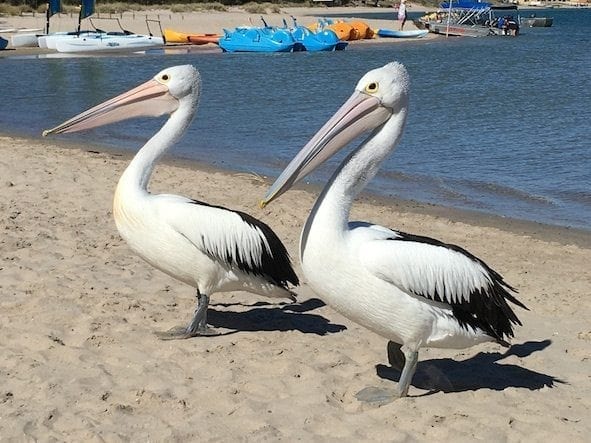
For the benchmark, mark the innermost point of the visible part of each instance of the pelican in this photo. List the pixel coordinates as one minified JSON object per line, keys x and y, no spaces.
{"x":208,"y":247}
{"x":413,"y":290}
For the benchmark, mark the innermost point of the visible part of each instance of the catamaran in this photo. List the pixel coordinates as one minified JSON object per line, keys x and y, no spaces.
{"x":95,"y":40}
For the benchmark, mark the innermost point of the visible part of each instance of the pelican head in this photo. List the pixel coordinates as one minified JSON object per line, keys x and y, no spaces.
{"x":163,"y":94}
{"x":380,"y":94}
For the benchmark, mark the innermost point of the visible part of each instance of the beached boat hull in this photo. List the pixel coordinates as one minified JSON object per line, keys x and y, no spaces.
{"x":344,"y":31}
{"x":361,"y":30}
{"x":49,"y":41}
{"x":460,"y":30}
{"x":24,"y":40}
{"x":391,"y":33}
{"x":172,"y":36}
{"x":204,"y":39}
{"x":257,"y":40}
{"x":109,"y":43}
{"x":325,"y":40}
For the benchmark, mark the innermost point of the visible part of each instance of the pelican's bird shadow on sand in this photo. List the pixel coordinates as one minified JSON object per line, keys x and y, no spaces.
{"x":483,"y":371}
{"x":264,"y":316}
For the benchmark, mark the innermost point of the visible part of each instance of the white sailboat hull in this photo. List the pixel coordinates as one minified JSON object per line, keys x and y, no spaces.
{"x":108,"y":43}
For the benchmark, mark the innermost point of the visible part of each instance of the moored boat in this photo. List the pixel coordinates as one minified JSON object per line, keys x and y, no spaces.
{"x":536,"y":22}
{"x":392,"y":33}
{"x":473,"y":19}
{"x":3,"y":43}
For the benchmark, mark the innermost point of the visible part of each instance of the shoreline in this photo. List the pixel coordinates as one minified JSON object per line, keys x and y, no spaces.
{"x":564,"y":235}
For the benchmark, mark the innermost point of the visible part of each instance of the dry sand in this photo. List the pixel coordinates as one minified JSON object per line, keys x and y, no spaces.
{"x":79,"y":359}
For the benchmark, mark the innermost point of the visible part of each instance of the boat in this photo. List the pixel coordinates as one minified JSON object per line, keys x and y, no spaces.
{"x":94,"y":40}
{"x":322,"y":40}
{"x":50,"y":41}
{"x":257,"y":40}
{"x":53,"y":7}
{"x":472,"y":19}
{"x":536,"y":22}
{"x":25,"y":38}
{"x":391,"y":33}
{"x":203,"y":39}
{"x":108,"y":42}
{"x":361,"y":30}
{"x":343,"y":30}
{"x":325,"y":40}
{"x":3,"y":43}
{"x":172,"y":36}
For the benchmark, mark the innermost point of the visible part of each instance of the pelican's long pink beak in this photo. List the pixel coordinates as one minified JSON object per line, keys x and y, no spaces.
{"x":150,"y":99}
{"x":360,"y":113}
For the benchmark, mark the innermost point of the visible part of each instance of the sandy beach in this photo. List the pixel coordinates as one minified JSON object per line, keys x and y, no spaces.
{"x":80,"y":361}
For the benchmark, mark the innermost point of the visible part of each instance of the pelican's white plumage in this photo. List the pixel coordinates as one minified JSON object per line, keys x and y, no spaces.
{"x":208,"y":247}
{"x":413,"y":290}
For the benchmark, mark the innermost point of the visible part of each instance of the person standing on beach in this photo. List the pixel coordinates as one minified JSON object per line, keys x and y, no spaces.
{"x":402,"y":13}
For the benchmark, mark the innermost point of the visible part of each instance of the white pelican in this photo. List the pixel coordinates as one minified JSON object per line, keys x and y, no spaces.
{"x":208,"y":247}
{"x":413,"y":290}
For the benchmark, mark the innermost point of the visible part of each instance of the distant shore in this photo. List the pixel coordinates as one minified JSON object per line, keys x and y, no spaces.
{"x":201,"y":22}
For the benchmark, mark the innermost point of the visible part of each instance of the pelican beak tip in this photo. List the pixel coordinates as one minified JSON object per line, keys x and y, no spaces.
{"x":45,"y":133}
{"x":263,"y":204}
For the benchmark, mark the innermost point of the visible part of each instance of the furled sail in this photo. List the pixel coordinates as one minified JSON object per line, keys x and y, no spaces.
{"x":86,"y":9}
{"x":54,"y":7}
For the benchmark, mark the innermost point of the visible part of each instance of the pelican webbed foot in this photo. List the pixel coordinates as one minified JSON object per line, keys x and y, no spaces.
{"x":377,"y":396}
{"x":182,"y":333}
{"x":401,"y":359}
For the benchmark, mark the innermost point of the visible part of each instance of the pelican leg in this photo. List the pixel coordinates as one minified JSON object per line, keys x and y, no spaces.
{"x":197,"y":326}
{"x":399,"y":357}
{"x":410,"y":366}
{"x":395,"y":356}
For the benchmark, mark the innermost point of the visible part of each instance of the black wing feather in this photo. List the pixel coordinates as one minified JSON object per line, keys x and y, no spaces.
{"x":275,"y":263}
{"x":486,"y":308}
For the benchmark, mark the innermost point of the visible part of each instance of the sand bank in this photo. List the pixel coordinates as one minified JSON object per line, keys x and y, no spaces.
{"x":79,"y":360}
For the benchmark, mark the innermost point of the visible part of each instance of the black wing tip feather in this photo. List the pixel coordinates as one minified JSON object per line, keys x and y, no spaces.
{"x":278,"y":264}
{"x":487,"y":308}
{"x":275,"y":265}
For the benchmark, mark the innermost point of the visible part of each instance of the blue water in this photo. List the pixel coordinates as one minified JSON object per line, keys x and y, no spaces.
{"x":498,"y":125}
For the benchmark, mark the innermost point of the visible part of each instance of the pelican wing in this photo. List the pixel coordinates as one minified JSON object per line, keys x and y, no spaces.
{"x":233,"y":238}
{"x":446,"y":273}
{"x":427,"y":268}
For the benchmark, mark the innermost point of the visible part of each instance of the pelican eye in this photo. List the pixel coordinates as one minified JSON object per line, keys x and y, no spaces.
{"x":165,"y":77}
{"x":372,"y":87}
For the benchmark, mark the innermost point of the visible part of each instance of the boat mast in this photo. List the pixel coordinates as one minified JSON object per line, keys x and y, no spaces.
{"x":86,"y":10}
{"x":53,"y":7}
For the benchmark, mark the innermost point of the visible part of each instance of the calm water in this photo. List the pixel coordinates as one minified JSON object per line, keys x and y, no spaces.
{"x":499,"y":125}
